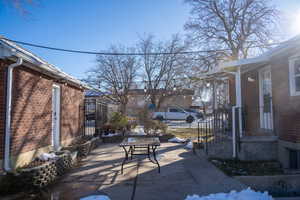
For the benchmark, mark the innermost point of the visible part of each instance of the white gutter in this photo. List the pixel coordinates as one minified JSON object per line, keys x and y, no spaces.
{"x":238,"y":91}
{"x":234,"y":154}
{"x":7,"y":166}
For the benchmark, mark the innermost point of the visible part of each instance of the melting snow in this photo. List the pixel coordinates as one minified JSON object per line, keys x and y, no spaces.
{"x":48,"y":156}
{"x":247,"y":194}
{"x":189,"y":145}
{"x":96,"y":197}
{"x":177,"y":140}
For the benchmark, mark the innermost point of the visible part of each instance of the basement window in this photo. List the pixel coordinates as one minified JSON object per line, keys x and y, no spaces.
{"x":294,"y":156}
{"x":294,"y":76}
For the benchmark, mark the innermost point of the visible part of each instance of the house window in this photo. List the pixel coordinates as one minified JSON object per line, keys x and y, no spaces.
{"x":294,"y":76}
{"x":294,"y":159}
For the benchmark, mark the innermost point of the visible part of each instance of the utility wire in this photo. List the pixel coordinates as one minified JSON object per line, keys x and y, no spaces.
{"x":128,"y":54}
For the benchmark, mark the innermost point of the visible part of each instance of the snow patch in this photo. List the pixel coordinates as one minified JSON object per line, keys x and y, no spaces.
{"x":96,"y":197}
{"x":189,"y":145}
{"x":247,"y":194}
{"x":177,"y":140}
{"x":111,"y":134}
{"x":48,"y":156}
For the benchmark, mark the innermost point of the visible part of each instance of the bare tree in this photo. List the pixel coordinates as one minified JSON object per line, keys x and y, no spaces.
{"x":160,"y":71}
{"x":236,"y":25}
{"x":21,"y":5}
{"x":242,"y":27}
{"x":115,"y":74}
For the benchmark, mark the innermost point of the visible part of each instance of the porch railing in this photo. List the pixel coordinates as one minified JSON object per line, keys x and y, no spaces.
{"x":215,"y":128}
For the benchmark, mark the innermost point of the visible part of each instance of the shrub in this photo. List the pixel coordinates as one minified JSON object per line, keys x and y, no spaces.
{"x":150,"y":126}
{"x":118,"y":121}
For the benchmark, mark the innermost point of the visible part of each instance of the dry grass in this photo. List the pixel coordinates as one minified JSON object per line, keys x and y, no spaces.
{"x":185,"y":132}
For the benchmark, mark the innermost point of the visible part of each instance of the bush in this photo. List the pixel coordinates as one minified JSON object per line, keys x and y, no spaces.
{"x":118,"y":121}
{"x":150,"y":126}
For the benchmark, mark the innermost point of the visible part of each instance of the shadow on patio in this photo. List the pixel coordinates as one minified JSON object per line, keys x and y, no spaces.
{"x":182,"y":173}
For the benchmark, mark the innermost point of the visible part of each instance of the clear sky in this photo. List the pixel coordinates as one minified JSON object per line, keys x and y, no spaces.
{"x":95,"y":24}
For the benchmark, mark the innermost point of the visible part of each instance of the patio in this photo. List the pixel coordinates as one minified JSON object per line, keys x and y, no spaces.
{"x":182,"y":173}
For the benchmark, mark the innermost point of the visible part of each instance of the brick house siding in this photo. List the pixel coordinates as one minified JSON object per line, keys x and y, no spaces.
{"x":286,"y":111}
{"x":287,"y":107}
{"x":250,"y":103}
{"x":32,"y":110}
{"x":72,"y":115}
{"x":2,"y":106}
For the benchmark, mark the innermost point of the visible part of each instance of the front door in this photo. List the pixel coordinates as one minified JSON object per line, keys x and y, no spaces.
{"x":265,"y":99}
{"x":56,"y":117}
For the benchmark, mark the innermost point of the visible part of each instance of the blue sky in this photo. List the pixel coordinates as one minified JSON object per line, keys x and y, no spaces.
{"x":76,"y":24}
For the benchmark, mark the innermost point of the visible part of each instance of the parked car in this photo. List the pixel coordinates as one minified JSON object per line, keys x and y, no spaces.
{"x":199,"y":115}
{"x":176,"y":113}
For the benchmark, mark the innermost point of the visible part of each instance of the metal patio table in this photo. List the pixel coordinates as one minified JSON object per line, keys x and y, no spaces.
{"x":149,"y":144}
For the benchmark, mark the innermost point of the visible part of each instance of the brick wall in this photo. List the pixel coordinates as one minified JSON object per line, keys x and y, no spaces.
{"x":71,"y":112}
{"x":32,"y":111}
{"x":250,"y":102}
{"x":2,"y":104}
{"x":287,"y":107}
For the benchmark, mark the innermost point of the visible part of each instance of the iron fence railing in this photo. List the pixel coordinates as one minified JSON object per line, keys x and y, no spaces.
{"x":95,"y":116}
{"x":215,"y":127}
{"x":233,"y":123}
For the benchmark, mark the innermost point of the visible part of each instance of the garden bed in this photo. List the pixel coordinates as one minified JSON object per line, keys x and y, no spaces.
{"x":247,"y":168}
{"x":261,"y":176}
{"x":41,"y":173}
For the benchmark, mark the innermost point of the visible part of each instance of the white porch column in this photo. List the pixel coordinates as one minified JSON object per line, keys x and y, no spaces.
{"x":238,"y":92}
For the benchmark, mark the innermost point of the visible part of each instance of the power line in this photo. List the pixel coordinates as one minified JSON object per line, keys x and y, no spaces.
{"x":128,"y":54}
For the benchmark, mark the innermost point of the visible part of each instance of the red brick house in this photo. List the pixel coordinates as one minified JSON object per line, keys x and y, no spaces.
{"x":39,"y":106}
{"x":266,"y":92}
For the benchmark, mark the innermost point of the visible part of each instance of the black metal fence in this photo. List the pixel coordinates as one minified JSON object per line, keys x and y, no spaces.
{"x":217,"y":127}
{"x":230,"y":124}
{"x":95,"y":116}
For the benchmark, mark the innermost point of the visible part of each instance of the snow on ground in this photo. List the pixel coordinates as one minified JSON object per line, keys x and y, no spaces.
{"x":176,"y":140}
{"x":189,"y":145}
{"x":111,"y":134}
{"x":139,"y":130}
{"x":247,"y":194}
{"x":48,"y":156}
{"x":95,"y":197}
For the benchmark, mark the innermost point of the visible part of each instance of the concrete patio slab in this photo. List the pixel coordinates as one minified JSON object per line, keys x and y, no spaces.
{"x":182,"y":173}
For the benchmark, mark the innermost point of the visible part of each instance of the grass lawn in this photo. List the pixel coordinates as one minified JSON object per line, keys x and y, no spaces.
{"x":184,"y":132}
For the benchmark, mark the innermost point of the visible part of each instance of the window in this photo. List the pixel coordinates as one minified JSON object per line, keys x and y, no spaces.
{"x":294,"y":159}
{"x":176,"y":110}
{"x":294,"y":76}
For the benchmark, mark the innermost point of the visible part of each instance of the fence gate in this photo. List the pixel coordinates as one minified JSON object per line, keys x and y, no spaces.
{"x":215,"y":132}
{"x":95,"y":116}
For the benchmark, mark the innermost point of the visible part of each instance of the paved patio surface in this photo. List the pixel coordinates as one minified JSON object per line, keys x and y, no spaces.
{"x":182,"y":173}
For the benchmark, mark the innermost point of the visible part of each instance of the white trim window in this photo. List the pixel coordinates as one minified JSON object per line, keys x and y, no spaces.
{"x":294,"y":76}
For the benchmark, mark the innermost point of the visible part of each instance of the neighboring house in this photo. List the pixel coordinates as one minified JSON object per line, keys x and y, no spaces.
{"x":138,"y":99}
{"x":266,"y":93}
{"x":40,"y":106}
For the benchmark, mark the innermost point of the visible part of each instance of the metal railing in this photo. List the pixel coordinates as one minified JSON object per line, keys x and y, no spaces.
{"x":215,"y":128}
{"x":95,"y":116}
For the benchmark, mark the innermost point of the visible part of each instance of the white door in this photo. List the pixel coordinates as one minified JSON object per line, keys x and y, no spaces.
{"x":265,"y":99}
{"x":56,"y":117}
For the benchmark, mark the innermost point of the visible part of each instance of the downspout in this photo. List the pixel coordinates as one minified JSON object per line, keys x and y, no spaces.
{"x":7,"y":164}
{"x":238,"y":91}
{"x":238,"y":105}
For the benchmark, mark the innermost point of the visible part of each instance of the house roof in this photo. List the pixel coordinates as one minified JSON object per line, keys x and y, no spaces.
{"x":11,"y":50}
{"x":265,"y":57}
